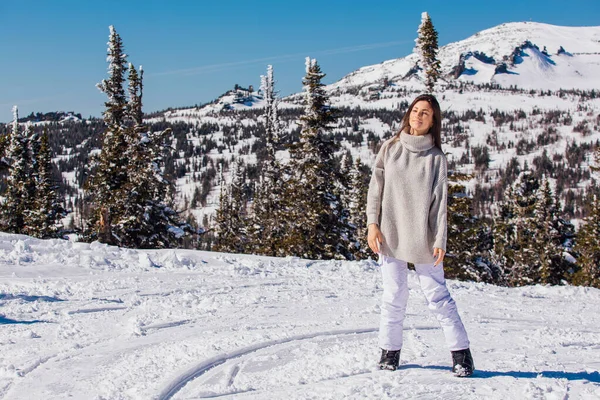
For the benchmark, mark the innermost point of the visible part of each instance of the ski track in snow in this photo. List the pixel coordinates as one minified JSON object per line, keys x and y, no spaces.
{"x":203,"y":367}
{"x":88,"y":321}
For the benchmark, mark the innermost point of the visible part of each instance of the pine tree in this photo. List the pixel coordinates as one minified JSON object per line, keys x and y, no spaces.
{"x":427,"y":48}
{"x":267,"y":228}
{"x":33,"y":150}
{"x":530,"y":235}
{"x":16,"y":197}
{"x":224,"y":230}
{"x":357,"y":206}
{"x":469,"y":239}
{"x":587,"y":246}
{"x":148,"y":219}
{"x":526,"y":269}
{"x":343,"y":190}
{"x":504,"y":235}
{"x":116,"y":105}
{"x":314,"y":211}
{"x":547,"y":238}
{"x":107,"y":184}
{"x":47,"y":211}
{"x":514,"y":250}
{"x":239,"y":216}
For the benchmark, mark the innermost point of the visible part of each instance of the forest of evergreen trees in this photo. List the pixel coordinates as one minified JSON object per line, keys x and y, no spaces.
{"x":513,"y":229}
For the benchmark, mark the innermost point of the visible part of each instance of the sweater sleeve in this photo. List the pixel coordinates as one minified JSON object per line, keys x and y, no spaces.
{"x":376,"y":184}
{"x":437,"y":212}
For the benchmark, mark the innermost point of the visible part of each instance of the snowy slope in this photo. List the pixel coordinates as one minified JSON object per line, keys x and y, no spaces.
{"x":576,"y":66}
{"x":87,"y":321}
{"x":572,"y":60}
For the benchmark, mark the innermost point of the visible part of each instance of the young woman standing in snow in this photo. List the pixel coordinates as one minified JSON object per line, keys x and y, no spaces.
{"x":406,"y":217}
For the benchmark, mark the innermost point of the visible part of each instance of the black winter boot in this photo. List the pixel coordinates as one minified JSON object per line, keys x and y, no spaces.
{"x":390,"y":359}
{"x":462,"y":363}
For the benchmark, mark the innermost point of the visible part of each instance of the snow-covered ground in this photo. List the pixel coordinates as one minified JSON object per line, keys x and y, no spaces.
{"x":88,"y":321}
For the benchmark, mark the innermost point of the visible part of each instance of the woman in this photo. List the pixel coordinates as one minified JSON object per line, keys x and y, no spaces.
{"x":406,"y":217}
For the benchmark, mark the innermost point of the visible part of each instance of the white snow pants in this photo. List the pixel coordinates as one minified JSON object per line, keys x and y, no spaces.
{"x":395,"y":297}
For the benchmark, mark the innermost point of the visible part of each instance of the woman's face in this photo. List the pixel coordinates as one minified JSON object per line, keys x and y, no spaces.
{"x":421,"y":118}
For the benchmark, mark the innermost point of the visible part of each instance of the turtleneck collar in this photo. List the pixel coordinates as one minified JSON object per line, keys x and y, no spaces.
{"x":416,"y":143}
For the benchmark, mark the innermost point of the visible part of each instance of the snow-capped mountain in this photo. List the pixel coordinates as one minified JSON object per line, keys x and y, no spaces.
{"x":523,"y":54}
{"x":526,"y":55}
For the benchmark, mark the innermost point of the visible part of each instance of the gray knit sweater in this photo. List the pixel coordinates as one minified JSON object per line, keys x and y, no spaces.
{"x":407,"y":198}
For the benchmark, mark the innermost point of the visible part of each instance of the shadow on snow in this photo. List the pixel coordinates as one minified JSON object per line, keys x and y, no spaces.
{"x":9,"y":321}
{"x":483,"y":374}
{"x":27,"y":298}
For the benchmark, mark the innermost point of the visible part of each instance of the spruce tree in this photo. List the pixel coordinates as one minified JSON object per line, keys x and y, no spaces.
{"x":238,"y":201}
{"x":427,"y":48}
{"x":148,"y":219}
{"x":587,"y":246}
{"x":107,"y":185}
{"x":357,"y":206}
{"x":514,"y":250}
{"x":526,"y":268}
{"x":225,"y":233}
{"x":47,"y":211}
{"x":343,"y":190}
{"x":504,"y":235}
{"x":469,"y":239}
{"x":547,"y":238}
{"x":314,"y":210}
{"x":267,"y":228}
{"x":530,"y":235}
{"x":17,"y":197}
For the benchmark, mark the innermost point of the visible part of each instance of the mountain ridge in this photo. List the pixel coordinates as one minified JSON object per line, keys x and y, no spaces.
{"x":496,"y":46}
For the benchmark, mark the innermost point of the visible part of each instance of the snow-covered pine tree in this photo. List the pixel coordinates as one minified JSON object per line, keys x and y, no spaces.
{"x":224,"y":231}
{"x":526,"y":268}
{"x":504,"y":233}
{"x":343,"y":188}
{"x":530,"y":235}
{"x":106,"y":187}
{"x":314,"y":210}
{"x":587,"y":246}
{"x":239,"y":213}
{"x":116,"y":105}
{"x":427,"y":48}
{"x":33,"y":145}
{"x":267,"y":228}
{"x":135,"y":91}
{"x":16,"y":200}
{"x":148,"y":219}
{"x":47,"y":210}
{"x":553,"y":267}
{"x":357,"y":207}
{"x":32,"y":148}
{"x":469,"y":239}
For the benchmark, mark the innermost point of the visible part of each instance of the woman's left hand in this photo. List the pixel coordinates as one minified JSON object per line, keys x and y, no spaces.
{"x":439,"y":253}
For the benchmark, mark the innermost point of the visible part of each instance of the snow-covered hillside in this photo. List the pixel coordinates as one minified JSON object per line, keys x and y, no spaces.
{"x":522,"y":54}
{"x":87,"y":321}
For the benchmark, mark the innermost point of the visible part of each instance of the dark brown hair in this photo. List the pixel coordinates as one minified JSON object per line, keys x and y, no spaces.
{"x":436,"y":128}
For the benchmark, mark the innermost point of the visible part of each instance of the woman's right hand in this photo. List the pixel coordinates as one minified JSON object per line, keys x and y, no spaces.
{"x":374,"y":238}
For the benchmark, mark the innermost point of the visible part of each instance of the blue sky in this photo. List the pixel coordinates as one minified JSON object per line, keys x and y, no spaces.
{"x":54,"y":52}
